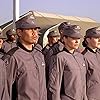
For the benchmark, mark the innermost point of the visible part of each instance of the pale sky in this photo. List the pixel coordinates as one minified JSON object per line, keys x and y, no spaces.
{"x":81,"y":8}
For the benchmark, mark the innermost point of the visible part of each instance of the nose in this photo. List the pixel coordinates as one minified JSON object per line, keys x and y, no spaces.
{"x":77,"y":40}
{"x":99,"y":39}
{"x":35,"y":32}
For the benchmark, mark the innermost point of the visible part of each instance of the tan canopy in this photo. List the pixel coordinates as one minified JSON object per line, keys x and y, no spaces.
{"x":47,"y":20}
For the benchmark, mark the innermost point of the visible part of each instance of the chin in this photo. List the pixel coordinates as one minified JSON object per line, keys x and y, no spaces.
{"x":75,"y":47}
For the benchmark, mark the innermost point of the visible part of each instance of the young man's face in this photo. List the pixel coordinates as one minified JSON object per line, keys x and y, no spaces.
{"x":53,"y":39}
{"x":72,"y":43}
{"x":29,"y":36}
{"x":94,"y":42}
{"x":12,"y":37}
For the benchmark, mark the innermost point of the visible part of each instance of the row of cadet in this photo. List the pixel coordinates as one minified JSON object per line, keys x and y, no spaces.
{"x":59,"y":71}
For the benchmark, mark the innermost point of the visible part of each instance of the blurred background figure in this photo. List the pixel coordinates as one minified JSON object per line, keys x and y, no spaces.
{"x":2,"y":38}
{"x":55,"y":48}
{"x":10,"y":42}
{"x":3,"y":78}
{"x":58,"y":46}
{"x":53,"y":37}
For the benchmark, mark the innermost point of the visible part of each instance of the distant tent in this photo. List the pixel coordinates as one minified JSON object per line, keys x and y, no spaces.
{"x":48,"y":21}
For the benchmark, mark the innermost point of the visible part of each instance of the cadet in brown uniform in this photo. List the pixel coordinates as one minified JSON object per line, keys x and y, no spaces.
{"x":3,"y":78}
{"x":3,"y":82}
{"x":53,"y":37}
{"x":55,"y":48}
{"x":10,"y":42}
{"x":91,"y":43}
{"x":58,"y":46}
{"x":2,"y":38}
{"x":26,"y":66}
{"x":68,"y":74}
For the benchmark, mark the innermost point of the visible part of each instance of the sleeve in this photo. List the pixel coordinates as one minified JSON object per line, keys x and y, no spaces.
{"x":11,"y":67}
{"x":5,"y":95}
{"x":55,"y":78}
{"x":86,"y":63}
{"x":3,"y":82}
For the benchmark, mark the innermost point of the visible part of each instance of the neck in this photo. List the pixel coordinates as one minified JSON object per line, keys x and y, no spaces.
{"x":70,"y":49}
{"x":94,"y":49}
{"x":27,"y":45}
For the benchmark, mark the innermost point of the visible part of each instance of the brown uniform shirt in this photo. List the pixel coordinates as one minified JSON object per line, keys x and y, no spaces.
{"x":93,"y":75}
{"x":56,"y":48}
{"x":3,"y":82}
{"x":45,"y":50}
{"x":67,"y":77}
{"x":26,"y":71}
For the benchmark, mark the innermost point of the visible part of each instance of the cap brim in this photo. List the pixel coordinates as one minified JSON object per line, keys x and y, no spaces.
{"x":75,"y":35}
{"x":95,"y":36}
{"x":2,"y":37}
{"x":37,"y":27}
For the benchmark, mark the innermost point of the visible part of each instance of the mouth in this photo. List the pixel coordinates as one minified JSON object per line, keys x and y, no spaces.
{"x":35,"y":38}
{"x":76,"y":44}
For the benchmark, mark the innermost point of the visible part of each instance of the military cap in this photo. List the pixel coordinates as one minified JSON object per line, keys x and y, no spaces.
{"x":26,"y":22}
{"x":72,"y":31}
{"x":93,"y":32}
{"x":2,"y":35}
{"x":76,"y":27}
{"x":62,"y":25}
{"x":53,"y":33}
{"x":10,"y":32}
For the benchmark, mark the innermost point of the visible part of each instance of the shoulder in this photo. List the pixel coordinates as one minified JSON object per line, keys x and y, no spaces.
{"x":45,"y":49}
{"x":80,"y":50}
{"x":5,"y":42}
{"x":61,"y":55}
{"x":57,"y":47}
{"x":84,"y":51}
{"x":38,"y":47}
{"x":10,"y":53}
{"x":1,"y":62}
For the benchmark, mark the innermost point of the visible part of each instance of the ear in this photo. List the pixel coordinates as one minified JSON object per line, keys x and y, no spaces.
{"x":88,"y":40}
{"x":19,"y":32}
{"x":64,"y":38}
